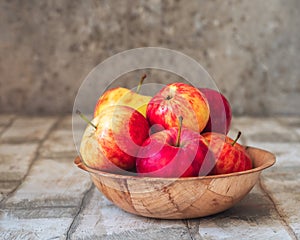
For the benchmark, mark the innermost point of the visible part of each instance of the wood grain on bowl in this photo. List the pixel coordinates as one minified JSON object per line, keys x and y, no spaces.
{"x":179,"y":198}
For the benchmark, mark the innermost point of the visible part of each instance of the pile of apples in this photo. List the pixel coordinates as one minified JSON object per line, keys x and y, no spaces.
{"x":179,"y":132}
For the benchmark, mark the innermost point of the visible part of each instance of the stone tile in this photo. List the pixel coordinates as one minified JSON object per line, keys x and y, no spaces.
{"x":15,"y":160}
{"x":73,"y":122}
{"x":36,"y":223}
{"x":291,"y":122}
{"x":1,"y":129}
{"x":28,"y":129}
{"x":5,"y":119}
{"x":264,"y":130}
{"x":66,"y":122}
{"x":34,"y":229}
{"x":7,"y":187}
{"x":51,"y":182}
{"x":100,"y":219}
{"x":287,"y":154}
{"x":286,"y":195}
{"x":252,"y":218}
{"x":61,"y":141}
{"x":39,"y":212}
{"x":282,"y":180}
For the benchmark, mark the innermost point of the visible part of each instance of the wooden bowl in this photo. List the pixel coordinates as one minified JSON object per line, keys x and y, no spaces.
{"x":179,"y":198}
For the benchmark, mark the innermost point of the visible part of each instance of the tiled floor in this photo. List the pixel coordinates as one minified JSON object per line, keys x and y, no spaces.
{"x":43,"y":195}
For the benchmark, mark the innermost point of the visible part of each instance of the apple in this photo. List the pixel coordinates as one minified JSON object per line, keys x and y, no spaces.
{"x":175,"y":153}
{"x":125,"y":97}
{"x":220,"y":111}
{"x":230,"y":156}
{"x":111,"y":141}
{"x":178,"y":99}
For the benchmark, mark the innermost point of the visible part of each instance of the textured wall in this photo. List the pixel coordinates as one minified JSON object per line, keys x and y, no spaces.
{"x":251,"y":48}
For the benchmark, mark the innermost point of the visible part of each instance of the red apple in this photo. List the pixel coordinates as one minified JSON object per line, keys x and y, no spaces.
{"x":112,"y":144}
{"x":178,"y":99}
{"x":220,"y":111}
{"x":230,"y":156}
{"x":163,"y":155}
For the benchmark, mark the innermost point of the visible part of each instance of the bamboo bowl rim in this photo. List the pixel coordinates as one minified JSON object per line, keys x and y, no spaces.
{"x":268,"y":162}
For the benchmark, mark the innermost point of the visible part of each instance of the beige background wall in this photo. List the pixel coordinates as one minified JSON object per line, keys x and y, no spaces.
{"x":251,"y":48}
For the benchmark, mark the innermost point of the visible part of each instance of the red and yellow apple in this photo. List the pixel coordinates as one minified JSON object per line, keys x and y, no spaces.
{"x":178,"y":99}
{"x":220,"y":111}
{"x":124,"y":97}
{"x":175,"y":153}
{"x":113,"y":143}
{"x":230,"y":155}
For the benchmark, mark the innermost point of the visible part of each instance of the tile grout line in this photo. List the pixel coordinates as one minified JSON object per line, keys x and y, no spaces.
{"x":81,"y":206}
{"x":186,"y":223}
{"x":3,"y":131}
{"x":278,"y":211}
{"x":37,"y":154}
{"x":6,"y":126}
{"x":189,"y":228}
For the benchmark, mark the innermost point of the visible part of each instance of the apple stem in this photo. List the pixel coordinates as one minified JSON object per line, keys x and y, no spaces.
{"x":237,"y":138}
{"x":86,"y":119}
{"x":180,"y":119}
{"x":141,"y":83}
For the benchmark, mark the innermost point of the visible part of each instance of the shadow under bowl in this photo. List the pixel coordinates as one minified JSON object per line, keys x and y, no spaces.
{"x":179,"y":198}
